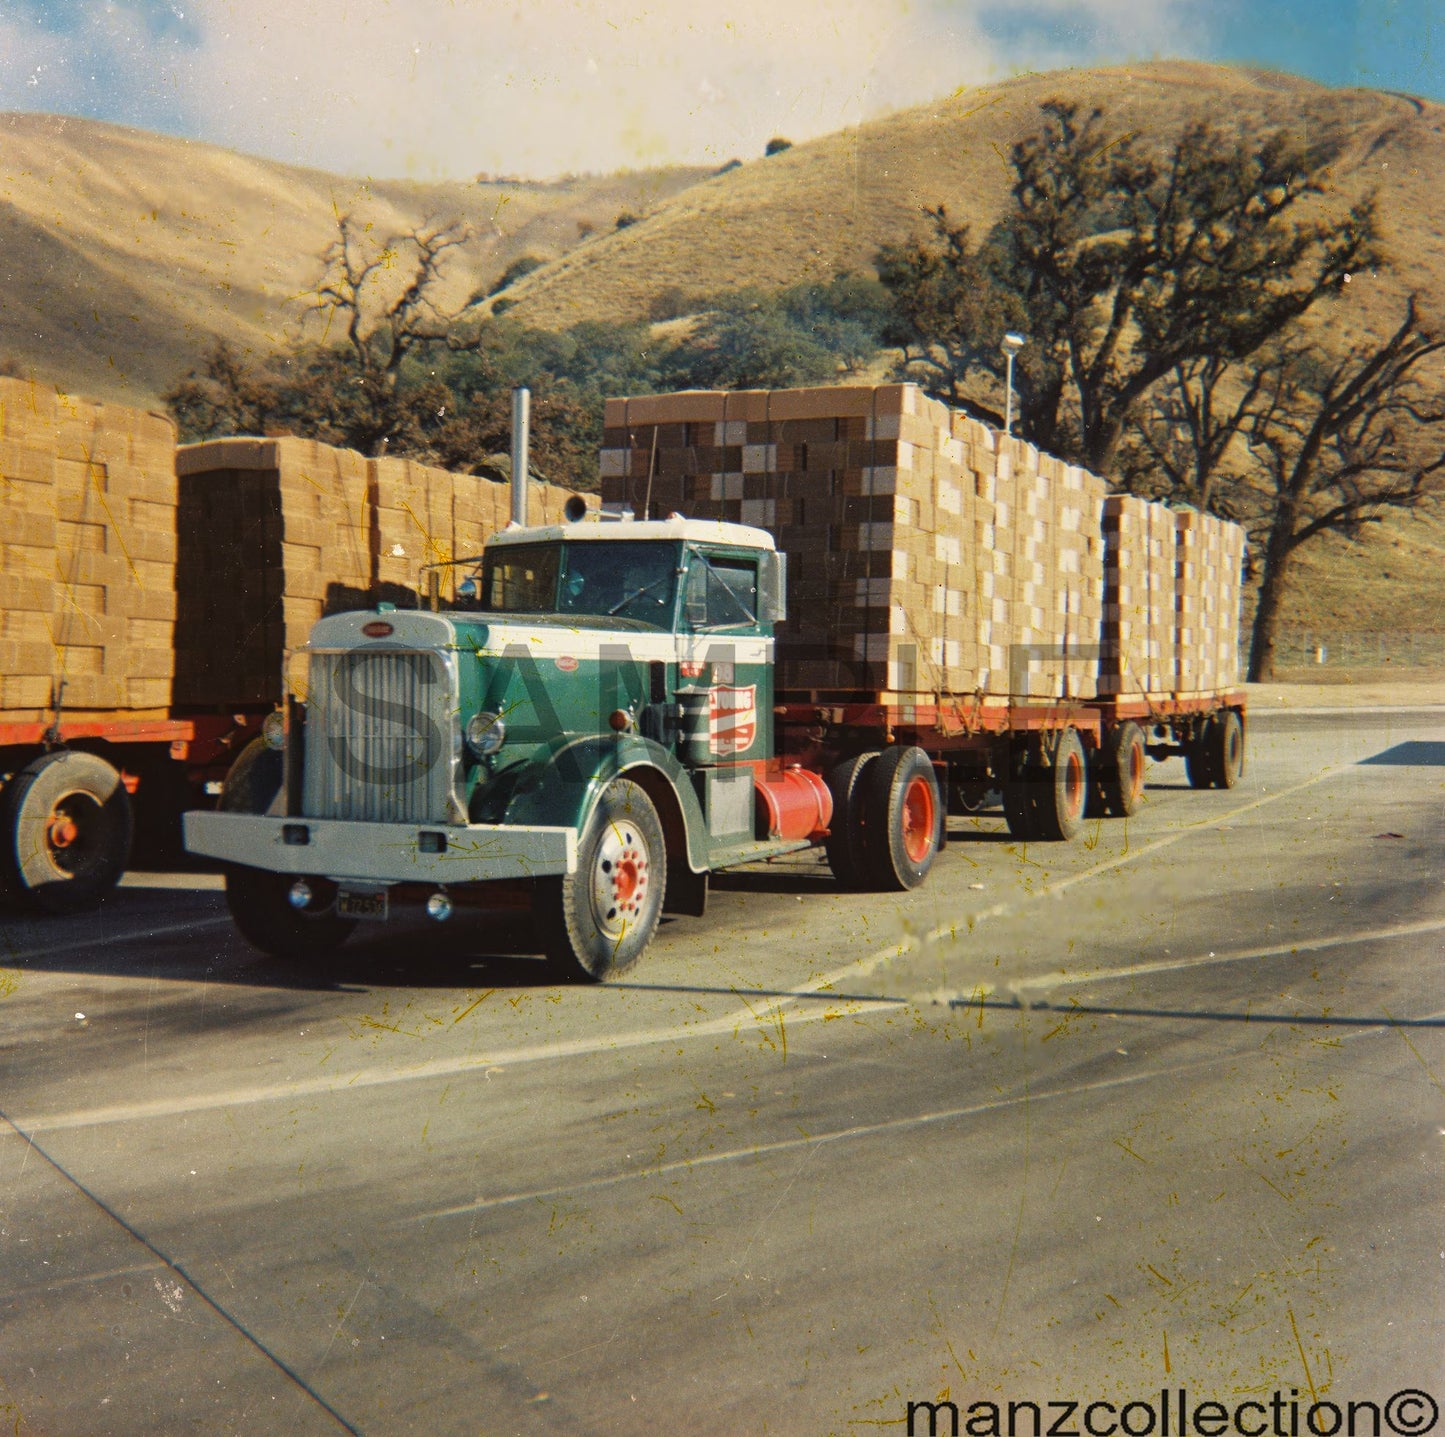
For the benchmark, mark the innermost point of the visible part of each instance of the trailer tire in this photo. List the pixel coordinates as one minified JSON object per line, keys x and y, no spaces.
{"x":1225,"y":749}
{"x":595,"y":923}
{"x":1061,"y":792}
{"x":1122,"y":779}
{"x":65,"y":831}
{"x":847,"y":856}
{"x":902,"y":812}
{"x":1018,"y":809}
{"x":266,"y":918}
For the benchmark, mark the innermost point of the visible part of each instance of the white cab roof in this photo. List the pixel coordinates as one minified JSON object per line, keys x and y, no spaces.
{"x":697,"y":531}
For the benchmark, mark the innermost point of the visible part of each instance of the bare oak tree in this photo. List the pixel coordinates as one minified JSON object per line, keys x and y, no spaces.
{"x":1337,"y":443}
{"x":386,"y":293}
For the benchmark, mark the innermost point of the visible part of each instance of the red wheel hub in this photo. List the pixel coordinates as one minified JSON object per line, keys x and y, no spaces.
{"x":1074,"y":784}
{"x":920,"y":819}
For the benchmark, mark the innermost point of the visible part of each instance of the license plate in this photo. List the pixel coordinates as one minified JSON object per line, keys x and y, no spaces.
{"x":365,"y":903}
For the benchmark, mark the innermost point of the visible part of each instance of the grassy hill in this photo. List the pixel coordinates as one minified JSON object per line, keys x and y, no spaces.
{"x":125,"y":253}
{"x":826,"y":206}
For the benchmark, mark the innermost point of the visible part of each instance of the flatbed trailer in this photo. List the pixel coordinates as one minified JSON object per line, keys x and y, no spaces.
{"x":1053,"y":762}
{"x":79,"y":793}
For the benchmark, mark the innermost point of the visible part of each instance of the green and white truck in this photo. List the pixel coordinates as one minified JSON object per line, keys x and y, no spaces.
{"x":592,"y":717}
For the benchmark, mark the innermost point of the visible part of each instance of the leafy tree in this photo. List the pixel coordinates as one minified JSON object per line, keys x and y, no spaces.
{"x":777,"y":145}
{"x":749,"y":344}
{"x":523,"y":265}
{"x":1119,"y":266}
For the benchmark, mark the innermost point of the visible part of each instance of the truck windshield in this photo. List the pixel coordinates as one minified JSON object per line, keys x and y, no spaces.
{"x":631,"y":579}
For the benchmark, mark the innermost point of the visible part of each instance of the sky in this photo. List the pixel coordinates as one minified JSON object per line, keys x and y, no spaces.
{"x":447,"y":89}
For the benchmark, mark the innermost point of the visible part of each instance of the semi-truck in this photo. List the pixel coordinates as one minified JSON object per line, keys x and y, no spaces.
{"x":604,"y":712}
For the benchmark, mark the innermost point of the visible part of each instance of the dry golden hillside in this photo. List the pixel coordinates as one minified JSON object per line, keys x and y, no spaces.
{"x":826,"y":206}
{"x":125,"y":253}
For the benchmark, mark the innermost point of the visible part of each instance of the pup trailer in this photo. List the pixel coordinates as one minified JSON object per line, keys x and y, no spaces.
{"x":596,"y":715}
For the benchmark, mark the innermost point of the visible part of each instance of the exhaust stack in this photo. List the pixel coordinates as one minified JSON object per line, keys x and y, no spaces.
{"x":521,"y":437}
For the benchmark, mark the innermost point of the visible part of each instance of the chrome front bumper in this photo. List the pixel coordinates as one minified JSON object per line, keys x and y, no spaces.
{"x":382,"y":852}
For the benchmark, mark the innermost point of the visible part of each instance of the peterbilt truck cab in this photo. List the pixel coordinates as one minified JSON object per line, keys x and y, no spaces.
{"x":590,"y":714}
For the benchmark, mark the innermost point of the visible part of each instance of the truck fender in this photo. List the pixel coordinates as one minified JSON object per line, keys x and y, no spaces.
{"x":560,"y":788}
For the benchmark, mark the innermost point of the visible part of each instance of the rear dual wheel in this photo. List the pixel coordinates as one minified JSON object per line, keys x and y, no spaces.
{"x":1216,"y":758}
{"x":888,"y":817}
{"x":1046,"y":800}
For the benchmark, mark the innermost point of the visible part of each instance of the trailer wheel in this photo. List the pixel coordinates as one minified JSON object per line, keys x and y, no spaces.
{"x":1061,"y":791}
{"x":844,"y":844}
{"x":66,"y":824}
{"x":1122,"y":779}
{"x":1224,"y":743}
{"x":902,"y":811}
{"x":260,"y":903}
{"x":595,"y":923}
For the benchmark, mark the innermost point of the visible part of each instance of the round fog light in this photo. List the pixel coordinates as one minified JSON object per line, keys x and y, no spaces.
{"x":439,"y":906}
{"x":300,"y":894}
{"x":485,"y":733}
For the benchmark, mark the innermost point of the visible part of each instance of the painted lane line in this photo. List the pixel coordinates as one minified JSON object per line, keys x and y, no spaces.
{"x":1277,"y":950}
{"x":860,"y":1131}
{"x":448,"y":1067}
{"x":861,"y":967}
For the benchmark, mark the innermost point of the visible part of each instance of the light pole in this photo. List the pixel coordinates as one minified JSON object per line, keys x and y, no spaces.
{"x":1012,"y":343}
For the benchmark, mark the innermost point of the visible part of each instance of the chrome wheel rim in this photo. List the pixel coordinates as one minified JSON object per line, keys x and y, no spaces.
{"x":620,"y":875}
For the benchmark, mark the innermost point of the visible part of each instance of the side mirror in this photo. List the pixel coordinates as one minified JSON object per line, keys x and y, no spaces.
{"x":467,"y":589}
{"x":773,"y":588}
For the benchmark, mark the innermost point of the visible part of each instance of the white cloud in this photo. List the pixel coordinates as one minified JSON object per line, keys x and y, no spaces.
{"x":431,"y":88}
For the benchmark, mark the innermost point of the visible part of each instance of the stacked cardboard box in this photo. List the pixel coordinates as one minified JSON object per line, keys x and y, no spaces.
{"x":920,"y":558}
{"x":277,"y":532}
{"x":88,"y":533}
{"x":1210,"y":561}
{"x":1139,"y":640}
{"x":274,"y":533}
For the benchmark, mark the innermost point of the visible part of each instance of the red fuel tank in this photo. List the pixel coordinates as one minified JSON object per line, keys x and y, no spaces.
{"x":793,"y":804}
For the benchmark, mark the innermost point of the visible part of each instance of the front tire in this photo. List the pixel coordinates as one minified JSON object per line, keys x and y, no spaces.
{"x":65,"y":831}
{"x":262,"y":910}
{"x":595,"y":923}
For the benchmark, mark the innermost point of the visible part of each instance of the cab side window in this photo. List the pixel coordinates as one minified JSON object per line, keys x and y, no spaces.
{"x":722,"y":592}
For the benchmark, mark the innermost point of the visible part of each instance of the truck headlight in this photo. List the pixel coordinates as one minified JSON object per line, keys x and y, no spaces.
{"x":273,"y":730}
{"x":485,"y":734}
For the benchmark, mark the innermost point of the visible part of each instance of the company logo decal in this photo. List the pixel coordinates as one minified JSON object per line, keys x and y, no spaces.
{"x":377,"y":629}
{"x":734,"y":715}
{"x":566,"y":663}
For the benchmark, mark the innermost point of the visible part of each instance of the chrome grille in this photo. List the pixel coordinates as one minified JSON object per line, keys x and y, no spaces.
{"x":381,"y":735}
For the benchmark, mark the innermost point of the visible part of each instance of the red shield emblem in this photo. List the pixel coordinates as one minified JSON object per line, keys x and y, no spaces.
{"x":734,"y":719}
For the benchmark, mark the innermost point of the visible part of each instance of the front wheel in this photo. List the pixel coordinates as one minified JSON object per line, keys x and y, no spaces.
{"x":595,"y":923}
{"x":65,"y":831}
{"x":261,"y":906}
{"x":1225,"y":742}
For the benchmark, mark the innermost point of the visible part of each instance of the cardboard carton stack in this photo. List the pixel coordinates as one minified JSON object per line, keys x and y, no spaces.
{"x":1139,"y":640}
{"x":274,"y":532}
{"x":919,"y":558}
{"x":88,"y":541}
{"x":1210,"y":559}
{"x":277,"y":532}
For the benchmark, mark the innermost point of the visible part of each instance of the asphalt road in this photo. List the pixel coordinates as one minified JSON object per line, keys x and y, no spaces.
{"x":1159,"y":1109}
